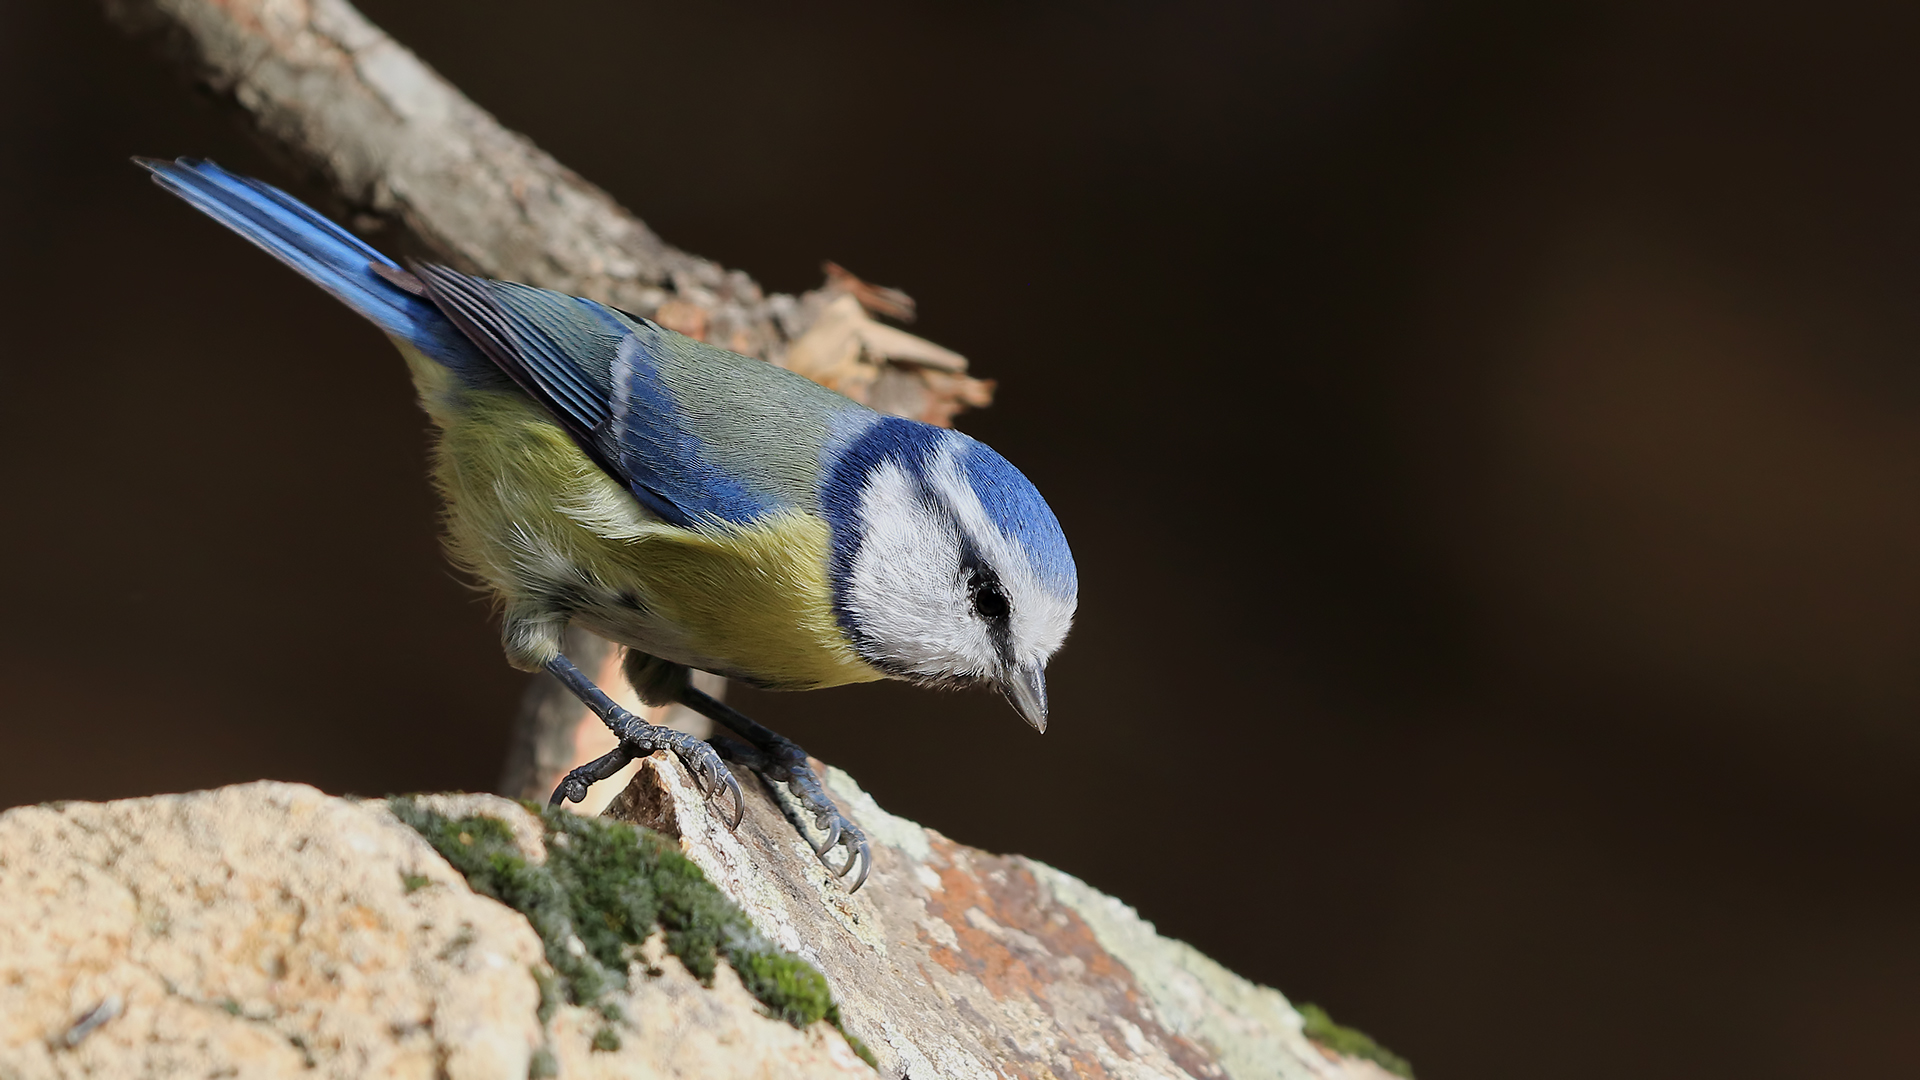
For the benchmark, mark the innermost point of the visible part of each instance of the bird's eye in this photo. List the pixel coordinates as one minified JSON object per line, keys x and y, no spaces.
{"x":990,"y":602}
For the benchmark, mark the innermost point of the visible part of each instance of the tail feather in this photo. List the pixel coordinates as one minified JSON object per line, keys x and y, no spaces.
{"x":323,"y":252}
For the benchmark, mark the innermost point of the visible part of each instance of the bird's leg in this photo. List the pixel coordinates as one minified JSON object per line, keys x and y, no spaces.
{"x":776,"y":757}
{"x":638,"y":739}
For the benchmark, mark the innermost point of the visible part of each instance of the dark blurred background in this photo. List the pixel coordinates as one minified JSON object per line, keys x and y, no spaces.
{"x":1489,"y":433}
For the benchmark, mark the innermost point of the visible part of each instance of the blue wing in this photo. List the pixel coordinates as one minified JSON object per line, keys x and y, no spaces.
{"x":596,"y":370}
{"x":746,"y":445}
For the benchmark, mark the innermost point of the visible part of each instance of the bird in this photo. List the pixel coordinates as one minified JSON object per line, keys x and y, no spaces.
{"x":706,"y":510}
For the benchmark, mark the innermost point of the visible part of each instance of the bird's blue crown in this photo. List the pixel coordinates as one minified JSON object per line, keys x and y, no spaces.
{"x":1008,"y":497}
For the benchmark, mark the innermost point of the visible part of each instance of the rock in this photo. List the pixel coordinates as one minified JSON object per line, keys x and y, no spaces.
{"x":268,"y":930}
{"x":676,"y":1027}
{"x":955,"y":963}
{"x":264,"y":929}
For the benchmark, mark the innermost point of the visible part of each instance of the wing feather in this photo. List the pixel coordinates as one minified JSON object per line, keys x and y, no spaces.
{"x":595,"y":370}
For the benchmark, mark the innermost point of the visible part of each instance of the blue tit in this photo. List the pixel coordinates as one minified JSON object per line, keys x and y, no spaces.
{"x":704,"y":509}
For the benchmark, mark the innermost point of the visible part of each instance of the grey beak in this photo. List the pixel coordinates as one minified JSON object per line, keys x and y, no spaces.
{"x":1026,"y":690}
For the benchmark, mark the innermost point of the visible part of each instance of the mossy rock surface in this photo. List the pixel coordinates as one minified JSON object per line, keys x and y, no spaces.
{"x":604,"y":888}
{"x":1351,"y":1042}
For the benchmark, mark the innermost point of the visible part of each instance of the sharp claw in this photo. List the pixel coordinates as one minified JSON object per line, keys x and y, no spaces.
{"x":833,"y":837}
{"x":853,"y":856}
{"x":739,"y":803}
{"x":721,"y":780}
{"x":866,"y":860}
{"x":779,"y":761}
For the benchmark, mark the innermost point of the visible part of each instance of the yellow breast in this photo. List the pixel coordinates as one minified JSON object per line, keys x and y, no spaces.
{"x":556,"y":538}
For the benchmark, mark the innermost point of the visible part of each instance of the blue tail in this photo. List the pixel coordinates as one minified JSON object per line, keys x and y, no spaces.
{"x":325,"y":254}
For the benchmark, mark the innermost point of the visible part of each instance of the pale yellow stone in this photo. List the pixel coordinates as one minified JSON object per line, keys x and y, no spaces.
{"x":267,"y":931}
{"x":677,"y":1027}
{"x":251,"y":931}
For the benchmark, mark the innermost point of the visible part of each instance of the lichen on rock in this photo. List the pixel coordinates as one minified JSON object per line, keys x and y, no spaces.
{"x":966,"y":965}
{"x":270,"y":930}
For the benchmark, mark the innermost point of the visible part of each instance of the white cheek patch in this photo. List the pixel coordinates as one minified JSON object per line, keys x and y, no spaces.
{"x":907,"y":591}
{"x":905,"y":585}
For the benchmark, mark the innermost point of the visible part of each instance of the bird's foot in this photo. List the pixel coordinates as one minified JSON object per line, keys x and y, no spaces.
{"x":638,"y":739}
{"x":780,"y":759}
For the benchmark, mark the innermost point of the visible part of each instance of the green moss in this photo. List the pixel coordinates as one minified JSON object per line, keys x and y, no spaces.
{"x":853,"y":1041}
{"x":604,"y":888}
{"x":801,"y":991}
{"x":482,"y":849}
{"x":549,"y":994}
{"x":1345,"y":1040}
{"x":543,"y":1065}
{"x":606,"y":1040}
{"x":413,"y":883}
